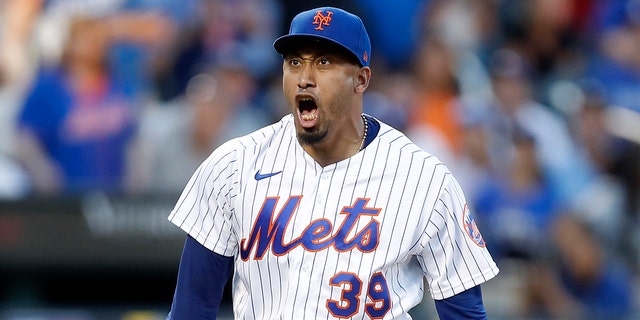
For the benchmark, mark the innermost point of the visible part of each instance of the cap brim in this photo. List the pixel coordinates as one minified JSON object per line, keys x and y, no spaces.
{"x":287,"y":43}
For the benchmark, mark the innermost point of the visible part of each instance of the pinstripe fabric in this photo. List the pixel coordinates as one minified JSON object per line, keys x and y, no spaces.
{"x":353,"y":239}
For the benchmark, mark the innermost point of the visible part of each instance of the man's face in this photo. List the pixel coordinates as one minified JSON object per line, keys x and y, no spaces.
{"x":320,"y":86}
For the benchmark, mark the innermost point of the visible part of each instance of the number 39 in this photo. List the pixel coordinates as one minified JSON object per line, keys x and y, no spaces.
{"x":349,"y":303}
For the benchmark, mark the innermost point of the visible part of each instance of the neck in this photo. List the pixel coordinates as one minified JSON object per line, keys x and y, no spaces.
{"x":341,"y":146}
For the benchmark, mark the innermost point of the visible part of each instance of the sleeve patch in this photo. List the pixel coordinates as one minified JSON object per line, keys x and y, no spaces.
{"x":471,"y":228}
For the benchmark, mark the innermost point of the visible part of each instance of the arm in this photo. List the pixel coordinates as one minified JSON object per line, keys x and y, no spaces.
{"x":464,"y":305}
{"x":45,"y":175}
{"x":17,"y":21}
{"x":201,"y":279}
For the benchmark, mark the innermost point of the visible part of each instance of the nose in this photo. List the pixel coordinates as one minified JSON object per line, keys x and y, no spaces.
{"x":306,"y":77}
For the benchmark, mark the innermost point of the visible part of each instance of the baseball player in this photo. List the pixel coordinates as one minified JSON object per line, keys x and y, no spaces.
{"x":329,"y":213}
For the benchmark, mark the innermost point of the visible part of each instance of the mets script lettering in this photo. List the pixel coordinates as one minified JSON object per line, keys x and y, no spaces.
{"x":321,"y":19}
{"x":318,"y":235}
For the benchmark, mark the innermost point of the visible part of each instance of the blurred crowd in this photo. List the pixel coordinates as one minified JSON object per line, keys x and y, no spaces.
{"x":533,"y":104}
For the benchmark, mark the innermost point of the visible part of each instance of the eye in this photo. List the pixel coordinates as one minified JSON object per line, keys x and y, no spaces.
{"x":294,"y":62}
{"x":324,"y":61}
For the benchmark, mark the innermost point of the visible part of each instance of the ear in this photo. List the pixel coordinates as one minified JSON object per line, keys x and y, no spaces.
{"x":362,"y":79}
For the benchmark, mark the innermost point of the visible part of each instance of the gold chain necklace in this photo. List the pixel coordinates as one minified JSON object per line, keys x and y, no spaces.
{"x":366,"y":129}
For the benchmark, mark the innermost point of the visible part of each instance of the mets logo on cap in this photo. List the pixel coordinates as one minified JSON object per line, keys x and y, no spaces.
{"x":471,"y":228}
{"x":322,"y":19}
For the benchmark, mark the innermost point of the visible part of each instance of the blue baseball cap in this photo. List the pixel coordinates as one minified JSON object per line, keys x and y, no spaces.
{"x":333,"y":24}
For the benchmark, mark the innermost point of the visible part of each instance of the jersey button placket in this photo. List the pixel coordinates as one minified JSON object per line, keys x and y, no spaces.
{"x":320,"y":194}
{"x":302,"y":288}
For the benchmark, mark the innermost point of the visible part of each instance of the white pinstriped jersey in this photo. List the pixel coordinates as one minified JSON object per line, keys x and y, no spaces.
{"x":350,"y":240}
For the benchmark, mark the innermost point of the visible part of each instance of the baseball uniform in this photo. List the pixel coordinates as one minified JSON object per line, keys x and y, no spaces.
{"x":353,"y":239}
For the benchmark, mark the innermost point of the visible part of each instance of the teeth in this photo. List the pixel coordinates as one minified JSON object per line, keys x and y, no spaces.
{"x":308,"y":116}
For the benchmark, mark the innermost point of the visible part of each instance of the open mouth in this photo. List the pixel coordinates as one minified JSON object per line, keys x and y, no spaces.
{"x":308,"y":110}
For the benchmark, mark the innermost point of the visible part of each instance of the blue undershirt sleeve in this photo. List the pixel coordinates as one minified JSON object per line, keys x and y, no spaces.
{"x":202,"y":276}
{"x":464,"y":305}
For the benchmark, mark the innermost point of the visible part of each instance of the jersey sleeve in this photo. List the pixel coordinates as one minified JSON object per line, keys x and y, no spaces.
{"x":45,"y":106}
{"x":203,"y":209}
{"x":454,"y":256}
